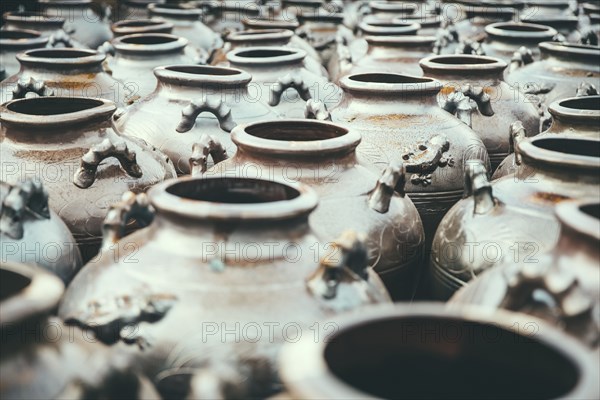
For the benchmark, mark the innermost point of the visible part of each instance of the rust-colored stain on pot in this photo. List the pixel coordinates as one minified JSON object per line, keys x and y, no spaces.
{"x":549,"y":197}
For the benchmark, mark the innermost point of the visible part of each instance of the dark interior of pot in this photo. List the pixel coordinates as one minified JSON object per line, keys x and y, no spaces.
{"x":15,"y":34}
{"x":298,"y":131}
{"x":132,"y":24}
{"x":458,"y":60}
{"x":52,"y":105}
{"x":591,"y":103}
{"x":59,"y":53}
{"x":383,"y":24}
{"x":233,"y":191}
{"x":388,"y":78}
{"x":264,"y":53}
{"x":149,"y":39}
{"x":11,"y":283}
{"x":522,"y":28}
{"x":203,"y":70}
{"x":593,"y":210}
{"x":423,"y":357}
{"x":576,"y":147}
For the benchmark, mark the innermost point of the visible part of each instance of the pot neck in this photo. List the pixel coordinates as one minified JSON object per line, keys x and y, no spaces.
{"x":62,"y":60}
{"x":463,"y":67}
{"x":261,"y":57}
{"x":198,"y":80}
{"x":570,"y":52}
{"x":580,"y":229}
{"x":576,"y":113}
{"x":392,"y":87}
{"x":21,"y":39}
{"x":562,"y":155}
{"x":149,"y":44}
{"x":519,"y":32}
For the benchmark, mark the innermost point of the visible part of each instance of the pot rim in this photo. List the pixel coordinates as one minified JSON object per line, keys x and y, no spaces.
{"x":174,"y":43}
{"x":560,"y":110}
{"x":538,"y":33}
{"x":314,"y":373}
{"x":427,"y":21}
{"x":179,"y":11}
{"x":35,"y":39}
{"x":320,"y":17}
{"x":39,"y":297}
{"x":153,"y":25}
{"x":292,"y":56}
{"x":260,"y":35}
{"x":401,"y":41}
{"x":570,"y":214}
{"x":552,"y":20}
{"x":299,"y":206}
{"x":259,"y":23}
{"x":176,"y":74}
{"x":347,"y":141}
{"x":64,"y":3}
{"x":569,"y":49}
{"x":389,"y":28}
{"x":98,"y":109}
{"x":32,"y":17}
{"x":425,"y":84}
{"x":529,"y":149}
{"x":87,"y":58}
{"x":391,"y":7}
{"x":504,"y":12}
{"x":470,"y":63}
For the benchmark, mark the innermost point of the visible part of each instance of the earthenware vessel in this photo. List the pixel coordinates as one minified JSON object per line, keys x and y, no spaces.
{"x":504,"y":39}
{"x":133,"y":26}
{"x":134,"y":10}
{"x":36,"y":21}
{"x":15,"y":41}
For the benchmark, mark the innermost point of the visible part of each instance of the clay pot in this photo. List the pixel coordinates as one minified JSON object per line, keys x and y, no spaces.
{"x":442,"y":346}
{"x":68,"y":144}
{"x":567,"y":276}
{"x":136,"y":26}
{"x":135,"y":10}
{"x":399,"y":120}
{"x":566,"y":25}
{"x":64,"y":72}
{"x":430,"y":24}
{"x":226,"y":16}
{"x":547,"y":7}
{"x":241,"y":255}
{"x":322,"y":155}
{"x":168,"y":117}
{"x":40,"y":22}
{"x":82,"y":22}
{"x":378,"y":27}
{"x":320,"y":30}
{"x":15,"y":41}
{"x":31,"y":233}
{"x":186,"y":23}
{"x":546,"y":78}
{"x":44,"y":358}
{"x":136,"y":56}
{"x":577,"y":116}
{"x":391,"y":9}
{"x":506,"y":38}
{"x":488,"y":103}
{"x":512,"y":218}
{"x":282,"y":78}
{"x":477,"y":17}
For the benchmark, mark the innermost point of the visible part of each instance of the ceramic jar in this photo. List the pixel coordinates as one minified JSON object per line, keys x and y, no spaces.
{"x":68,"y":144}
{"x":226,"y":16}
{"x":547,"y":79}
{"x":504,"y":39}
{"x":64,"y":72}
{"x":478,"y":81}
{"x":323,"y":155}
{"x":566,"y":25}
{"x":190,"y":101}
{"x":400,"y":120}
{"x":42,"y":357}
{"x":15,"y":41}
{"x":442,"y":346}
{"x":34,"y":21}
{"x":282,"y":78}
{"x":134,"y":10}
{"x":430,"y":24}
{"x":378,"y":27}
{"x":577,"y":116}
{"x":133,"y":26}
{"x":568,"y":276}
{"x":512,"y":218}
{"x":136,"y":56}
{"x":320,"y":30}
{"x":82,"y":22}
{"x":237,"y":253}
{"x":31,"y":233}
{"x":477,"y":17}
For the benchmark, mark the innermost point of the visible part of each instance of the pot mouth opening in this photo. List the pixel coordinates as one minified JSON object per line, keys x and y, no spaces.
{"x":461,"y":63}
{"x":589,"y":52}
{"x":12,"y":283}
{"x":268,"y":23}
{"x":204,"y":70}
{"x":519,"y":30}
{"x":388,"y":78}
{"x":401,"y":40}
{"x":60,"y":53}
{"x":31,"y":16}
{"x":18,"y":34}
{"x":560,"y":152}
{"x":582,"y":216}
{"x":175,"y":10}
{"x":385,"y":27}
{"x":231,"y":198}
{"x":438,"y":367}
{"x":52,"y":105}
{"x":257,"y":35}
{"x":390,"y":83}
{"x":64,"y":3}
{"x":265,"y":55}
{"x":591,"y":210}
{"x":585,"y":148}
{"x":400,"y":7}
{"x":140,"y":23}
{"x":61,"y":57}
{"x":587,"y":107}
{"x":148,"y":39}
{"x":202,"y":75}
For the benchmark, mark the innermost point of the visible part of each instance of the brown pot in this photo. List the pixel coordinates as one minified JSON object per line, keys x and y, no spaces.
{"x":241,"y":256}
{"x":44,"y":358}
{"x":442,"y":346}
{"x":282,"y":78}
{"x":32,"y":233}
{"x":69,"y":145}
{"x":512,"y":218}
{"x":577,"y":116}
{"x":568,"y":275}
{"x":322,"y":155}
{"x":136,"y":56}
{"x":64,"y":72}
{"x":46,"y":25}
{"x":169,"y":117}
{"x":133,"y":26}
{"x":506,"y":38}
{"x":15,"y":41}
{"x":488,"y":103}
{"x":399,"y":120}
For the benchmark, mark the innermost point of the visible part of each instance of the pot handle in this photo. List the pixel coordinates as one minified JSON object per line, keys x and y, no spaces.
{"x":588,"y":37}
{"x":445,"y":35}
{"x":392,"y":179}
{"x":29,"y":195}
{"x":574,"y":306}
{"x":457,"y":103}
{"x":521,"y":57}
{"x":106,"y":48}
{"x":61,"y":37}
{"x":86,"y":174}
{"x":214,"y":106}
{"x":207,"y":145}
{"x":316,"y":109}
{"x":30,"y":85}
{"x":472,"y":47}
{"x":478,"y":186}
{"x":131,"y":206}
{"x":586,"y":89}
{"x":285,"y":83}
{"x":517,"y":135}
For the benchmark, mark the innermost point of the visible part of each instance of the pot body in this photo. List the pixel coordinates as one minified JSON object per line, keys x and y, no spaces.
{"x":37,"y":236}
{"x":234,"y":274}
{"x":55,"y":156}
{"x":13,"y":42}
